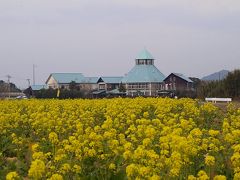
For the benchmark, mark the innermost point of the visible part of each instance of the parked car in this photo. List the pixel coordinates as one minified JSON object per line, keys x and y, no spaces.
{"x":22,"y":97}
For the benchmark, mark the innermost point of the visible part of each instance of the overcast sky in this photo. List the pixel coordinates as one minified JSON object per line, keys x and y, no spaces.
{"x":103,"y":37}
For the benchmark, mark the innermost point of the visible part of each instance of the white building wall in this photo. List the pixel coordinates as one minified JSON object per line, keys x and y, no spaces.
{"x":52,"y":83}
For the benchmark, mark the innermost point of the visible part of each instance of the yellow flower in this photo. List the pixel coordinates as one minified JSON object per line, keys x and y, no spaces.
{"x":236,"y":148}
{"x":112,"y":166}
{"x":131,"y":169}
{"x":56,"y":177}
{"x":155,"y":177}
{"x":146,"y":115}
{"x":128,"y":146}
{"x":12,"y":176}
{"x":66,"y":139}
{"x":37,"y":169}
{"x":127,"y":154}
{"x":202,"y":175}
{"x":191,"y":177}
{"x":236,"y":176}
{"x":235,"y":159}
{"x":209,"y":160}
{"x":146,"y":142}
{"x":213,"y":132}
{"x":174,"y":172}
{"x":144,"y":171}
{"x":65,"y":168}
{"x":35,"y":147}
{"x":53,"y":137}
{"x":219,"y":177}
{"x":77,"y":168}
{"x":38,"y":155}
{"x":91,"y":152}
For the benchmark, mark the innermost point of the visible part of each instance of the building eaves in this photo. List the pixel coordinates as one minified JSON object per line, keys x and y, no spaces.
{"x":112,"y":79}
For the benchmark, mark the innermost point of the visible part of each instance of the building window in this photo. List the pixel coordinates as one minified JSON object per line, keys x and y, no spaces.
{"x":149,"y":62}
{"x":138,"y":86}
{"x":174,"y":79}
{"x":101,"y":86}
{"x":140,"y":61}
{"x":166,"y":86}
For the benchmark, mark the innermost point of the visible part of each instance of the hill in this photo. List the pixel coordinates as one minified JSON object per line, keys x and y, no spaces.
{"x":220,"y":75}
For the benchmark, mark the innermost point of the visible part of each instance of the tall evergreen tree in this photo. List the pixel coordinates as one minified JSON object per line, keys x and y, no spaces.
{"x":232,"y":84}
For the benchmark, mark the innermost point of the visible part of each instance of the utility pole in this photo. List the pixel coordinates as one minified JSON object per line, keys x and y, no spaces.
{"x":8,"y":81}
{"x":28,"y":80}
{"x":34,"y":74}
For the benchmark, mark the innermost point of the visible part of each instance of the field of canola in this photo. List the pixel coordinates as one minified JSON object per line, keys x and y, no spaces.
{"x":142,"y":138}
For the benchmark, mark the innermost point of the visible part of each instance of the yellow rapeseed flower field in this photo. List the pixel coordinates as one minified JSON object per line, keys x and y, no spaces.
{"x":141,"y":138}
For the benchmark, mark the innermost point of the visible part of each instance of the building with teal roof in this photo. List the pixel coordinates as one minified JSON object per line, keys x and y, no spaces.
{"x":144,"y":78}
{"x":63,"y":80}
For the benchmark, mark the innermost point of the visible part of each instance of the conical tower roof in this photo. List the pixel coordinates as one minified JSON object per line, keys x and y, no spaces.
{"x":144,"y":54}
{"x":144,"y":73}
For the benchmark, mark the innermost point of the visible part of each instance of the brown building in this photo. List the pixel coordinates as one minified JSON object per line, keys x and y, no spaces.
{"x":178,"y":82}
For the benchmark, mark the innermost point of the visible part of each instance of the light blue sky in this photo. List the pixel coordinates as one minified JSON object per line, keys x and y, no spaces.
{"x":103,"y":37}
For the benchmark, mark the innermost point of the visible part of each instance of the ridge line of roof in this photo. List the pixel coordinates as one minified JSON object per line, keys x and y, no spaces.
{"x":111,"y":76}
{"x":66,"y":73}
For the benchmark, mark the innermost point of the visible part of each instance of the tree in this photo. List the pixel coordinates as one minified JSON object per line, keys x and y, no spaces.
{"x":72,"y":85}
{"x":232,"y":84}
{"x":65,"y":94}
{"x":229,"y":87}
{"x":4,"y":87}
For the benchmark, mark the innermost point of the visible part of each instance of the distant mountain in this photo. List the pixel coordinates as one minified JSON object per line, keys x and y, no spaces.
{"x":216,"y":76}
